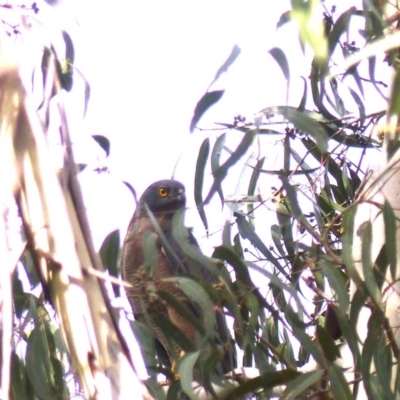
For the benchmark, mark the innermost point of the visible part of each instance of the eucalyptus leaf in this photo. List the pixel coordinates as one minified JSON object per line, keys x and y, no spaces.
{"x":186,"y":366}
{"x":207,"y":101}
{"x":199,"y":179}
{"x":339,"y":385}
{"x":300,"y":384}
{"x":109,"y":252}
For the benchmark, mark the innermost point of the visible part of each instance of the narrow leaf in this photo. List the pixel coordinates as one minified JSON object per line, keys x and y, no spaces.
{"x":300,"y":384}
{"x":253,"y":182}
{"x":229,"y":61}
{"x":303,"y":101}
{"x":109,"y":252}
{"x":196,"y":293}
{"x":215,"y":160}
{"x":150,"y":252}
{"x":337,"y":281}
{"x":384,"y":365}
{"x":284,"y":19}
{"x":309,"y":126}
{"x":247,"y":231}
{"x":208,"y":100}
{"x":199,"y":180}
{"x":390,"y":238}
{"x":276,"y":235}
{"x":38,"y":364}
{"x":360,"y":105}
{"x":280,"y":57}
{"x":265,"y":382}
{"x":221,"y":172}
{"x":375,"y":327}
{"x":367,"y":265}
{"x":339,"y":385}
{"x":185,"y":369}
{"x":341,"y":26}
{"x":103,"y":142}
{"x":182,"y":309}
{"x":328,"y":346}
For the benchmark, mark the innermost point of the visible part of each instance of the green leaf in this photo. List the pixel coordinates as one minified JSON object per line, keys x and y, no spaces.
{"x":307,"y":125}
{"x":265,"y":382}
{"x":196,"y":293}
{"x":328,"y":346}
{"x":394,"y":100}
{"x":276,"y":235}
{"x":292,"y":201}
{"x":172,"y":333}
{"x":330,"y":164}
{"x":280,"y":57}
{"x":390,"y":238}
{"x":155,"y":389}
{"x":340,"y":27}
{"x":149,"y":243}
{"x":29,"y":266}
{"x":103,"y":142}
{"x":65,"y":67}
{"x":87,"y":96}
{"x":253,"y":182}
{"x":229,"y":61}
{"x":221,"y":172}
{"x":371,"y":69}
{"x":199,"y":180}
{"x":109,"y":252}
{"x":262,"y":359}
{"x":58,"y":372}
{"x":285,"y":225}
{"x":299,"y":332}
{"x":311,"y":27}
{"x":208,"y":100}
{"x":318,"y":75}
{"x":21,"y":300}
{"x":375,"y":327}
{"x":59,"y":342}
{"x":182,"y":310}
{"x":241,"y":270}
{"x":175,"y":391}
{"x":337,"y":281}
{"x":347,"y":241}
{"x":38,"y":365}
{"x":300,"y":384}
{"x":147,"y":345}
{"x":47,"y":52}
{"x":383,"y":361}
{"x":247,"y":231}
{"x":339,"y":104}
{"x":367,"y":265}
{"x":339,"y":385}
{"x":284,"y":19}
{"x":358,"y":301}
{"x":215,"y":160}
{"x":303,"y":101}
{"x":253,"y":306}
{"x":132,"y":190}
{"x":20,"y":388}
{"x":360,"y":104}
{"x":185,"y":369}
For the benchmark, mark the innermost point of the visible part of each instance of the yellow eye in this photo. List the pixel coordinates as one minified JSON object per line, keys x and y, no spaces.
{"x":162,"y":192}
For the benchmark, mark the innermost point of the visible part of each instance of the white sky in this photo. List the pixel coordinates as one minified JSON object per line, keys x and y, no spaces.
{"x":148,"y":63}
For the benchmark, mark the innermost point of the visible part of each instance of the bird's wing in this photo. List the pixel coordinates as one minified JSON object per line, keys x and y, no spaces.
{"x":185,"y":257}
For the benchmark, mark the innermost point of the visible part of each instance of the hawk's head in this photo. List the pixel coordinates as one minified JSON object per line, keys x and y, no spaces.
{"x":163,"y":196}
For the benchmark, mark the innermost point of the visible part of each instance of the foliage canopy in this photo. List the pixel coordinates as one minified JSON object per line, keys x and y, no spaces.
{"x":295,"y":293}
